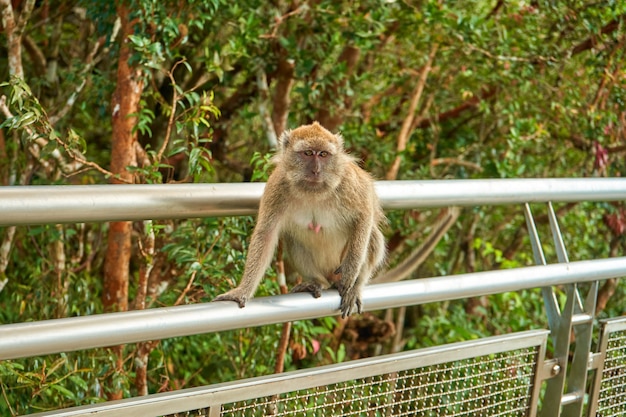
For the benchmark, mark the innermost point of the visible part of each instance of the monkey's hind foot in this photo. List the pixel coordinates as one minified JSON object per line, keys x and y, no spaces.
{"x":350,"y":301}
{"x":311,"y":287}
{"x":228,"y":296}
{"x":348,"y":306}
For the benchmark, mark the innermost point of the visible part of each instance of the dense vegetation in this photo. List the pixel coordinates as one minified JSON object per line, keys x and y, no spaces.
{"x":151,"y":91}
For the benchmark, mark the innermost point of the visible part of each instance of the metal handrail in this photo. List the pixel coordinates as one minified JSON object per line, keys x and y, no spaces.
{"x":98,"y":203}
{"x":22,"y":205}
{"x":100,"y":330}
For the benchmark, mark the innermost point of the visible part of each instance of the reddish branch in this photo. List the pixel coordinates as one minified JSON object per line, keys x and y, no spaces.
{"x":592,"y":41}
{"x":125,"y":102}
{"x":457,"y":111}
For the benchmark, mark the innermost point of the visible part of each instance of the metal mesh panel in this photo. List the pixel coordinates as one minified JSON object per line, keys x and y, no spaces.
{"x":612,"y":396}
{"x":492,"y":385}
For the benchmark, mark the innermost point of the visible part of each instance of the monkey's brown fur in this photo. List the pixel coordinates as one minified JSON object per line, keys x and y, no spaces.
{"x":324,"y":207}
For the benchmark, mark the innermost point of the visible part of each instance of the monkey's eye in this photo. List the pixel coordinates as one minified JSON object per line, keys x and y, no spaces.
{"x":323,"y":154}
{"x":308,"y":152}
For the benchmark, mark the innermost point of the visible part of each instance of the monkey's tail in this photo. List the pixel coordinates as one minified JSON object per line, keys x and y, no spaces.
{"x":419,"y":255}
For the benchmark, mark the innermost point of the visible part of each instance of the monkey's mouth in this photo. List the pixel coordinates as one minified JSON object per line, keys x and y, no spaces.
{"x":313,"y":184}
{"x":314,"y":179}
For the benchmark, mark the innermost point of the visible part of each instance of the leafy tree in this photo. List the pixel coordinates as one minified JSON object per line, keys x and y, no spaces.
{"x":156,"y":92}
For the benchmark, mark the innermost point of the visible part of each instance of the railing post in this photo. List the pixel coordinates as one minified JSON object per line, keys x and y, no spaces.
{"x":575,"y":317}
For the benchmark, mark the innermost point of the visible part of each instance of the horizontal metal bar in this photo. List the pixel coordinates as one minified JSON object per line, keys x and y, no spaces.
{"x":578,"y":319}
{"x":21,"y":205}
{"x":571,"y":398}
{"x":202,"y":397}
{"x":595,"y":359}
{"x":613,"y":324}
{"x":76,"y":333}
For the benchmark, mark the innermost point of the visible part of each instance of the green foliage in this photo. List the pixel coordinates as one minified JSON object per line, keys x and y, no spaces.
{"x":516,"y":89}
{"x":47,"y":383}
{"x":262,"y":166}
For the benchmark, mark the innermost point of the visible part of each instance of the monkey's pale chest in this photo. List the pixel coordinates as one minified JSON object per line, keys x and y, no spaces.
{"x":314,"y":221}
{"x":315,"y":241}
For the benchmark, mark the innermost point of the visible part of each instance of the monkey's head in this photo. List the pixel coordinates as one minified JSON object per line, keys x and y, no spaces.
{"x":313,"y":158}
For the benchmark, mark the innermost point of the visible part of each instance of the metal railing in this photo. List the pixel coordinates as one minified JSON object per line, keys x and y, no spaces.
{"x":566,"y":385}
{"x":22,"y":205}
{"x":100,"y":330}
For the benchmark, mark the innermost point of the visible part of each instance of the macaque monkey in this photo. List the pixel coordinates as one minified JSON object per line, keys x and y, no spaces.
{"x":325,"y":209}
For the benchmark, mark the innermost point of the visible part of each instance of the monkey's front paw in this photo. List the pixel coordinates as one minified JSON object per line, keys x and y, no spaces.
{"x":313,"y":287}
{"x":231,"y":296}
{"x":350,"y":303}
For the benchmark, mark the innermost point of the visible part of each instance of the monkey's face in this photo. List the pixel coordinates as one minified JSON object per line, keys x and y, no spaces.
{"x":316,"y":166}
{"x":313,"y":165}
{"x":312,"y":158}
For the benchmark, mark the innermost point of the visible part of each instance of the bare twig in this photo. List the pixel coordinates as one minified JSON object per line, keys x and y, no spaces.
{"x":455,"y":161}
{"x":270,"y":133}
{"x":37,"y":143}
{"x":280,"y":19}
{"x":187,"y":288}
{"x":534,"y":59}
{"x":405,"y":130}
{"x":80,"y":159}
{"x":90,"y":63}
{"x":170,"y":122}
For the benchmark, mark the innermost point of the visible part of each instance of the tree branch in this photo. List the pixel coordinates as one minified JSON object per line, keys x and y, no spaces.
{"x":592,"y":41}
{"x":170,"y":121}
{"x":270,"y":133}
{"x":14,"y":28}
{"x":456,"y":161}
{"x":281,"y":99}
{"x":407,"y":124}
{"x":422,"y":123}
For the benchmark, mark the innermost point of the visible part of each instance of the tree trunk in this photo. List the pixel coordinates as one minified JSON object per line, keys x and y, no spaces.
{"x":125,"y":101}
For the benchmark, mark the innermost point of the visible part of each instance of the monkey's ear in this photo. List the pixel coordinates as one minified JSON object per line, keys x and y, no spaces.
{"x":339,"y":139}
{"x":284,"y":140}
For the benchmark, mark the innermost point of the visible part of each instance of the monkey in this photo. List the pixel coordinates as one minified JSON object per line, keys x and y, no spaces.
{"x":325,"y":209}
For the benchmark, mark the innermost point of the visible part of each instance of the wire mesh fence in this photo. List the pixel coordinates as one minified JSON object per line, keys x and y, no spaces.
{"x":612,"y":388}
{"x":494,"y":384}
